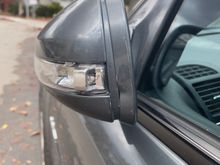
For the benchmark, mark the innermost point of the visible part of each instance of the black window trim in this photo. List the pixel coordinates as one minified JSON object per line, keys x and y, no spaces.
{"x":159,"y":38}
{"x":199,"y":150}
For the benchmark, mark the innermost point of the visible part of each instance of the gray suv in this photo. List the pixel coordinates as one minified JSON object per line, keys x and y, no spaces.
{"x":145,"y":74}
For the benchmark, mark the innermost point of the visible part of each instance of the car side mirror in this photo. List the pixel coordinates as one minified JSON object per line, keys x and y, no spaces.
{"x":84,"y":59}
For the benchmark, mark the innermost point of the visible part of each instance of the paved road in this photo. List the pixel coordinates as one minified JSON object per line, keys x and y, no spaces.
{"x":19,"y":115}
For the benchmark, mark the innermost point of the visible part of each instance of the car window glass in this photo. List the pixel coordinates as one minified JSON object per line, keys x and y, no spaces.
{"x":187,"y":74}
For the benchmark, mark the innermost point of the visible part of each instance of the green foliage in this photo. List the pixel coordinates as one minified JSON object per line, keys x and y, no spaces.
{"x":13,"y":9}
{"x":55,"y":7}
{"x":48,"y":10}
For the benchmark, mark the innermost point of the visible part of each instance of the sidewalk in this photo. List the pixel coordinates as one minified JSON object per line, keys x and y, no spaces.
{"x":34,"y":23}
{"x":19,"y":112}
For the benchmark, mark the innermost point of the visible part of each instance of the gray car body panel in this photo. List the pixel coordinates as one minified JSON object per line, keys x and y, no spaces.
{"x":87,"y":141}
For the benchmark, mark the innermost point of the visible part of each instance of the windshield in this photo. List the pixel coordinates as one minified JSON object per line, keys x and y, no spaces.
{"x":190,"y":74}
{"x":184,"y":77}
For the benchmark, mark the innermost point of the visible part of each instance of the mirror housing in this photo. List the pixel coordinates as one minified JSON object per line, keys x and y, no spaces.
{"x":84,"y":59}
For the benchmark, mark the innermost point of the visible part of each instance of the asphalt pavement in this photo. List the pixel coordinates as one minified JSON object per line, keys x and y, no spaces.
{"x":19,"y":113}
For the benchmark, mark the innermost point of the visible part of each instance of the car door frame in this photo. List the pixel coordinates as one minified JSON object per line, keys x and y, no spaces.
{"x":156,"y":117}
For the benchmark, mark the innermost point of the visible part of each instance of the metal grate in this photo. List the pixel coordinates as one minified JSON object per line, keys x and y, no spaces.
{"x":194,"y":71}
{"x":209,"y":91}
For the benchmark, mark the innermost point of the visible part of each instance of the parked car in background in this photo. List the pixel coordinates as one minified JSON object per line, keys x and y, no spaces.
{"x":145,"y":74}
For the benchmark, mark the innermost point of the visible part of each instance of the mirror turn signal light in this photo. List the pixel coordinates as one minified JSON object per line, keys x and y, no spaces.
{"x":70,"y":76}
